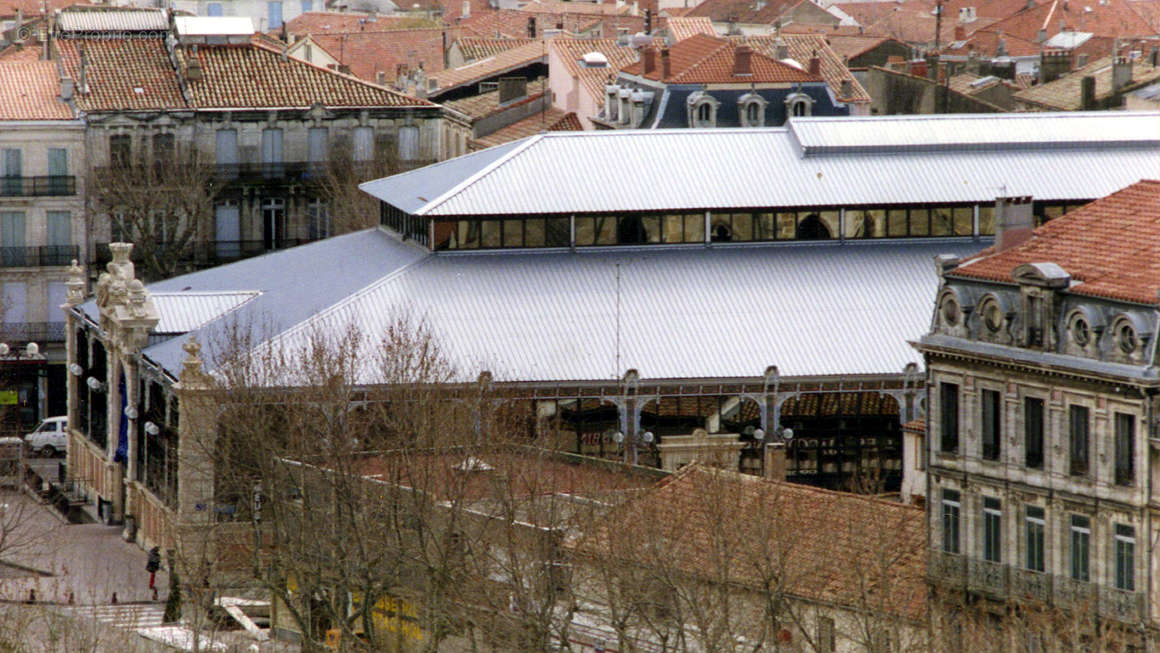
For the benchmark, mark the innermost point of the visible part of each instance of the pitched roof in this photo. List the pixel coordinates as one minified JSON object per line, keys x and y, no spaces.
{"x":29,"y":88}
{"x":1065,"y":93}
{"x":742,"y":11}
{"x":702,"y":59}
{"x":1111,"y":247}
{"x":571,"y":51}
{"x":326,"y":22}
{"x":910,"y":21}
{"x":707,"y":524}
{"x":32,"y":8}
{"x":368,"y":53}
{"x":485,"y":104}
{"x":475,"y":47}
{"x":255,"y":75}
{"x":113,"y":19}
{"x":551,"y":120}
{"x":122,"y":74}
{"x":850,"y":46}
{"x":801,"y":48}
{"x":1112,"y":18}
{"x":531,"y":52}
{"x":682,"y":27}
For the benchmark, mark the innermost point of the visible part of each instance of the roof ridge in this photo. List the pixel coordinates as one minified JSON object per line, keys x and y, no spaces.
{"x":479,"y":174}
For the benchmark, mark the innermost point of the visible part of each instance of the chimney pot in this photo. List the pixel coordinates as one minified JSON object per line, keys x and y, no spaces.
{"x":816,"y":65}
{"x":666,"y":64}
{"x":648,"y":60}
{"x":743,"y":60}
{"x":1015,"y":221}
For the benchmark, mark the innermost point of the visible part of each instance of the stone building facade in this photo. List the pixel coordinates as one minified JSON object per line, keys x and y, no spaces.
{"x":1042,"y":414}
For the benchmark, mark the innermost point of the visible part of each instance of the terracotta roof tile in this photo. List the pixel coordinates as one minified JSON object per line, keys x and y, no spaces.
{"x":318,"y":22}
{"x":475,"y":47}
{"x":1111,"y":247}
{"x":29,"y":88}
{"x":912,"y":21}
{"x":801,"y":47}
{"x":682,"y":27}
{"x":742,"y":11}
{"x":570,"y":52}
{"x":1111,"y":18}
{"x":529,"y":53}
{"x":511,"y":23}
{"x":551,"y":120}
{"x":256,"y":76}
{"x":1064,"y":94}
{"x":1149,"y":10}
{"x":702,"y":59}
{"x":123,"y":74}
{"x":368,"y":53}
{"x":706,"y":524}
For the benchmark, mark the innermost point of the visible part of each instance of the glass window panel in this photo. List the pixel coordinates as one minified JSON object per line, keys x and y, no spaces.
{"x":489,"y":233}
{"x":694,"y":228}
{"x":987,"y":220}
{"x":558,"y":232}
{"x":830,"y":220}
{"x":863,"y":224}
{"x":941,"y":222}
{"x":786,"y":225}
{"x":674,"y":229}
{"x":721,"y":227}
{"x":468,"y":235}
{"x":919,"y":222}
{"x":742,"y":227}
{"x":652,"y":228}
{"x":513,"y":233}
{"x":763,"y":226}
{"x":585,"y":231}
{"x":534,"y":232}
{"x":606,"y":230}
{"x":896,"y":223}
{"x":964,"y":220}
{"x":630,"y":230}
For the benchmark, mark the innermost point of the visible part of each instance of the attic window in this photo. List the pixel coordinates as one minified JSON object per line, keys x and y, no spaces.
{"x":594,"y":60}
{"x":139,"y":90}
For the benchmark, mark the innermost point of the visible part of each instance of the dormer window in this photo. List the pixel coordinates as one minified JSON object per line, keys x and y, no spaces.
{"x":702,"y":110}
{"x":751,"y":108}
{"x":799,"y":105}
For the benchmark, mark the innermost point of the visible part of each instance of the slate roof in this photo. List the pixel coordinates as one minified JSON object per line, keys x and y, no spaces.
{"x":702,"y":59}
{"x":707,"y":524}
{"x":1111,"y":247}
{"x":30,"y":88}
{"x":1065,"y":93}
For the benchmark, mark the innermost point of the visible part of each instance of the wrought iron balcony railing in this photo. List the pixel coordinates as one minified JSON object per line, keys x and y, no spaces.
{"x":44,"y":186}
{"x":15,"y":333}
{"x":36,"y":257}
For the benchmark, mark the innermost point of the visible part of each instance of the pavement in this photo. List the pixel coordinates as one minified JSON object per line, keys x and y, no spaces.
{"x":82,"y":564}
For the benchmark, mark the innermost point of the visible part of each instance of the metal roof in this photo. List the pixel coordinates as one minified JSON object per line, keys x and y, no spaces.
{"x":114,"y":20}
{"x":182,"y":312}
{"x":859,"y":161}
{"x":719,"y":312}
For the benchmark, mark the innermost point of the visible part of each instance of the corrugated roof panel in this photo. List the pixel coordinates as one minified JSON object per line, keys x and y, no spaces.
{"x":654,"y":170}
{"x":183,"y":312}
{"x":817,"y":309}
{"x":114,"y":20}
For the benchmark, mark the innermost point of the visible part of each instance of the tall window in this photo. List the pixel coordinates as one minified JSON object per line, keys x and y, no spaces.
{"x":825,"y":635}
{"x":59,"y":229}
{"x":1125,"y":558}
{"x":1125,"y":449}
{"x":120,"y":148}
{"x":317,"y":144}
{"x":992,"y":530}
{"x":274,"y":13}
{"x":12,"y":243}
{"x":57,"y":162}
{"x":1033,"y":432}
{"x":950,"y":517}
{"x":408,"y":143}
{"x":272,"y":152}
{"x":318,"y":219}
{"x":1036,"y":525}
{"x":364,"y":144}
{"x":949,"y":416}
{"x":163,"y":147}
{"x":1078,"y":431}
{"x":991,"y":424}
{"x":1081,"y":539}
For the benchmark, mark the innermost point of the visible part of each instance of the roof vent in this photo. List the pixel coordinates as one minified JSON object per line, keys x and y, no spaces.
{"x":595,"y":60}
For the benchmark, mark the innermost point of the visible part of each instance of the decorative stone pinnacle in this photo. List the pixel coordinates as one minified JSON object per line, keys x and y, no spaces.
{"x":120,"y":252}
{"x":75,"y":293}
{"x":191,"y":367}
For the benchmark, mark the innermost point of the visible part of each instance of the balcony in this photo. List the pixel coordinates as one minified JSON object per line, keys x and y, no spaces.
{"x":14,"y":333}
{"x":947,"y":568}
{"x":47,"y":186}
{"x":989,"y":578}
{"x":1073,"y":593}
{"x":303,"y":171}
{"x":1031,"y":585}
{"x":38,"y":257}
{"x":1126,"y":607}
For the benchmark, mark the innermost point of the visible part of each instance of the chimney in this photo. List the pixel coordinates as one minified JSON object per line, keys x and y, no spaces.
{"x":531,"y":27}
{"x":666,"y":64}
{"x":780,"y":49}
{"x":1053,"y":64}
{"x":775,"y":461}
{"x":1041,"y":36}
{"x":1154,"y":56}
{"x":816,"y":65}
{"x":84,"y":81}
{"x":1121,"y":73}
{"x":466,"y":11}
{"x":960,"y":33}
{"x":846,"y":89}
{"x":193,"y":65}
{"x":381,"y":78}
{"x":648,"y":60}
{"x":1015,"y":221}
{"x":1087,"y":92}
{"x":67,"y":87}
{"x":743,"y":60}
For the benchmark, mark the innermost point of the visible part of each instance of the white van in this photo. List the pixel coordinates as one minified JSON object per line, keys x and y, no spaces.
{"x":50,"y":438}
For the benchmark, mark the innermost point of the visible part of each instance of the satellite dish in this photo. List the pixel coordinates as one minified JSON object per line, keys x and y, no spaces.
{"x":647,"y":437}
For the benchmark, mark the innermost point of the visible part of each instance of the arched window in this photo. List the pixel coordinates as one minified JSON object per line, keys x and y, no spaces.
{"x":812,"y":228}
{"x":801,"y":109}
{"x":704,"y":112}
{"x":799,"y":105}
{"x":753,"y":113}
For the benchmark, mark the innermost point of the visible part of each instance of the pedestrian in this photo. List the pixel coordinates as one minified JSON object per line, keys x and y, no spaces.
{"x":153,"y":565}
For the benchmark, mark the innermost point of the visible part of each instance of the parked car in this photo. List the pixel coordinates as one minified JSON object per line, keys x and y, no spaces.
{"x":50,"y":437}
